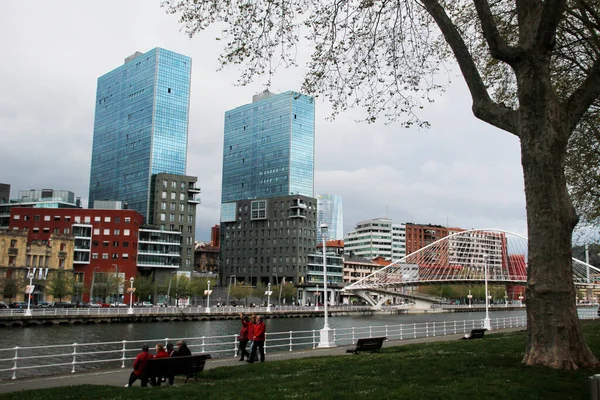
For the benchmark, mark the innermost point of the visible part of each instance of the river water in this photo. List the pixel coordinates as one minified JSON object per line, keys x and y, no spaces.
{"x":67,"y":334}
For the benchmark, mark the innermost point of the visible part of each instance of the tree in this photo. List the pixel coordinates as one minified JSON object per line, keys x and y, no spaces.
{"x":240,"y":291}
{"x":106,"y":284}
{"x":531,"y":67}
{"x":144,"y":287}
{"x":60,"y":285}
{"x":10,"y":287}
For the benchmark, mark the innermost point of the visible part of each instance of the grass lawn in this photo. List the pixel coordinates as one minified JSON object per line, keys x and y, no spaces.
{"x":489,"y":368}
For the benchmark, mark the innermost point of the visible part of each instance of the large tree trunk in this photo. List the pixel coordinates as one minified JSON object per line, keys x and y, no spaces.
{"x":554,"y":334}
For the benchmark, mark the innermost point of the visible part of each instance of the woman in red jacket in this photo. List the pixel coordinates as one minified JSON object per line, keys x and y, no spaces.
{"x":243,"y":338}
{"x":258,"y":339}
{"x":160,"y":353}
{"x":139,"y":367}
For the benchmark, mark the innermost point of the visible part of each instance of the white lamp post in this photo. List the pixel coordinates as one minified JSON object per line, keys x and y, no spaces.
{"x":29,"y":291}
{"x":470,"y":297}
{"x":207,"y":293}
{"x":268,"y":293}
{"x":229,"y":288}
{"x":505,"y":299}
{"x":131,"y":290}
{"x":326,"y":332}
{"x":486,"y":322}
{"x":520,"y":300}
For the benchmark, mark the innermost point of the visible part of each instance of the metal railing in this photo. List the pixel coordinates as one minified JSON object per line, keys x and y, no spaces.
{"x":27,"y":361}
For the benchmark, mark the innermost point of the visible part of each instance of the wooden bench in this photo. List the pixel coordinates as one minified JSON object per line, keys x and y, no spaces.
{"x":475,"y":334}
{"x":171,"y":366}
{"x":368,"y":344}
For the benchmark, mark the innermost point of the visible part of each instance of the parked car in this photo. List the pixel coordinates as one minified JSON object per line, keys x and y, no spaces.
{"x":118,"y":304}
{"x":144,"y":304}
{"x":43,"y":304}
{"x":18,"y":304}
{"x":3,"y":304}
{"x":63,"y":304}
{"x":81,"y":304}
{"x":95,"y":304}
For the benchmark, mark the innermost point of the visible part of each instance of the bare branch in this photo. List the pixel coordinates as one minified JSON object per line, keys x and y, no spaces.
{"x":499,"y":49}
{"x":551,"y":17}
{"x":584,"y":96}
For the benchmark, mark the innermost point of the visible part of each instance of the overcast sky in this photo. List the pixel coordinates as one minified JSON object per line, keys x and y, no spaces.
{"x":460,"y":172}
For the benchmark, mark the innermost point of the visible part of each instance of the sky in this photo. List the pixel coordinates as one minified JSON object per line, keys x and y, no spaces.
{"x":460,"y":172}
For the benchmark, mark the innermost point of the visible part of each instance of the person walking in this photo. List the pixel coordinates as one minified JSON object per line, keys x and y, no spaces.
{"x":259,"y":331}
{"x":139,"y":367}
{"x":243,"y":338}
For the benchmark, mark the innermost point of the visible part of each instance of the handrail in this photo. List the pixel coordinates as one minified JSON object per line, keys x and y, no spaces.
{"x":30,"y":358}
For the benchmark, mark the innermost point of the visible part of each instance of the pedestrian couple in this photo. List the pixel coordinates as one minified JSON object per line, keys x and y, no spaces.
{"x":253,"y":331}
{"x":139,"y":365}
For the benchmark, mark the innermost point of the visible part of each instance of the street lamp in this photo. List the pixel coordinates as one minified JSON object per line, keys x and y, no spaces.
{"x":207,"y":293}
{"x":505,"y":299}
{"x":268,"y":293}
{"x":131,"y":290}
{"x":96,"y":269}
{"x":470,"y":297}
{"x":169,"y":289}
{"x":29,"y":291}
{"x":520,"y":299}
{"x":326,"y":332}
{"x":280,"y":288}
{"x":486,"y":322}
{"x":229,"y":288}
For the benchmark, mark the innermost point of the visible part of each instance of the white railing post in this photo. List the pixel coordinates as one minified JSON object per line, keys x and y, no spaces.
{"x":15,"y":364}
{"x":314,"y":339}
{"x":370,"y":331}
{"x":124,"y":350}
{"x":427,"y":329}
{"x":444,"y":328}
{"x":203,"y":343}
{"x":291,"y":341}
{"x":235,"y":346}
{"x":455,"y":327}
{"x":353,"y":337}
{"x":166,"y":342}
{"x":386,"y":331}
{"x":400,"y":331}
{"x":415,"y":330}
{"x":74,"y":360}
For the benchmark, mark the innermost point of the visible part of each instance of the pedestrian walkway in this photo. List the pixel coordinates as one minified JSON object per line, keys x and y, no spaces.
{"x":119,"y":377}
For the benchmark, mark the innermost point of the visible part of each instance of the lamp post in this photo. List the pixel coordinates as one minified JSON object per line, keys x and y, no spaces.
{"x":93,"y":279}
{"x":326,"y":332}
{"x":470,"y":297}
{"x":280,"y":288}
{"x":317,"y":298}
{"x":268,"y":293}
{"x":207,"y":293}
{"x":131,"y":290}
{"x":486,"y":322}
{"x":505,"y":299}
{"x":277,"y":282}
{"x":229,"y":288}
{"x":520,"y":299}
{"x":29,"y":291}
{"x":169,"y":289}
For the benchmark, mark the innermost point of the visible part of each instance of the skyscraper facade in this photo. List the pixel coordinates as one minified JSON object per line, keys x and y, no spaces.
{"x":330,"y":212}
{"x":269,"y":147}
{"x":140,"y":126}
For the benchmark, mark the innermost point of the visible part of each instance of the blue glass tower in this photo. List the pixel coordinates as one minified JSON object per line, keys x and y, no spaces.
{"x":140,"y":126}
{"x":330,"y":211}
{"x":269,"y":147}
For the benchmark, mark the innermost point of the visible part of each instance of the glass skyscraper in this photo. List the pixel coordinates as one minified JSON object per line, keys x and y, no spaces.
{"x":269,"y":147}
{"x":140,"y":126}
{"x":330,"y":211}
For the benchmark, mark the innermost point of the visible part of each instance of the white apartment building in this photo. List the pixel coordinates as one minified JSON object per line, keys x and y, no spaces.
{"x":377,"y":238}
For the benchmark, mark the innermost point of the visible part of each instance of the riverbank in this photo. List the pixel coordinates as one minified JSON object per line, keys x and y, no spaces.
{"x":428,"y":368}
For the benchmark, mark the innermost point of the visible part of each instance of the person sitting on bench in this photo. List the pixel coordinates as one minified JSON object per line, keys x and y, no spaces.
{"x":181,"y":351}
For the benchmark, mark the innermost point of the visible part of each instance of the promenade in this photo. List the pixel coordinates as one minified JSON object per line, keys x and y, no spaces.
{"x":119,"y":377}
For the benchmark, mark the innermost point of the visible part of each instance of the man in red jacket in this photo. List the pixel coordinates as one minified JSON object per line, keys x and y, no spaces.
{"x":139,"y":367}
{"x":258,"y":338}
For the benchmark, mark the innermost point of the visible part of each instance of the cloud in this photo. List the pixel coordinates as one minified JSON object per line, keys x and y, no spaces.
{"x":460,"y":172}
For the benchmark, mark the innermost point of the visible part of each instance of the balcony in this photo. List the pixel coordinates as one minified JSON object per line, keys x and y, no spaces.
{"x":194,"y":201}
{"x":13,"y":251}
{"x":193,"y":189}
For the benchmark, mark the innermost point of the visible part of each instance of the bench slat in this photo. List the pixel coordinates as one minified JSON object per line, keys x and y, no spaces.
{"x":368,"y":344}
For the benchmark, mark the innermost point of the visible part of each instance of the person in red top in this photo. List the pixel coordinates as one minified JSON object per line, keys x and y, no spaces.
{"x":258,"y":338}
{"x":139,"y":367}
{"x":160,"y":353}
{"x":243,"y":338}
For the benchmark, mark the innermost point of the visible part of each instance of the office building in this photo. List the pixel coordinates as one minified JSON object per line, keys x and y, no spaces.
{"x":140,"y":127}
{"x":37,"y":198}
{"x":377,"y":237}
{"x":266,"y":240}
{"x":269,"y":147}
{"x":173,"y":208}
{"x":268,"y":212}
{"x":330,"y":211}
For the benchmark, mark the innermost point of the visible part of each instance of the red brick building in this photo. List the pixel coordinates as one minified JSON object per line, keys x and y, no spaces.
{"x":106,"y":241}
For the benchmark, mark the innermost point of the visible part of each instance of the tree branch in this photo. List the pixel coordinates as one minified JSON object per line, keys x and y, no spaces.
{"x":584,"y":96}
{"x":551,"y":16}
{"x":483,"y":106}
{"x":498,"y":47}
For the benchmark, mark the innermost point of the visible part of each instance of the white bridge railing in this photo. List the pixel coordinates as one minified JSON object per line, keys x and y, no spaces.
{"x":20,"y":362}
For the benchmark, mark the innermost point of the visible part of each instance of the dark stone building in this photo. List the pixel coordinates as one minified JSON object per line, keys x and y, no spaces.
{"x":267,"y":239}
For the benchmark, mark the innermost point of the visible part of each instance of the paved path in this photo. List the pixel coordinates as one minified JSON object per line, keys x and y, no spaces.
{"x":119,"y":377}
